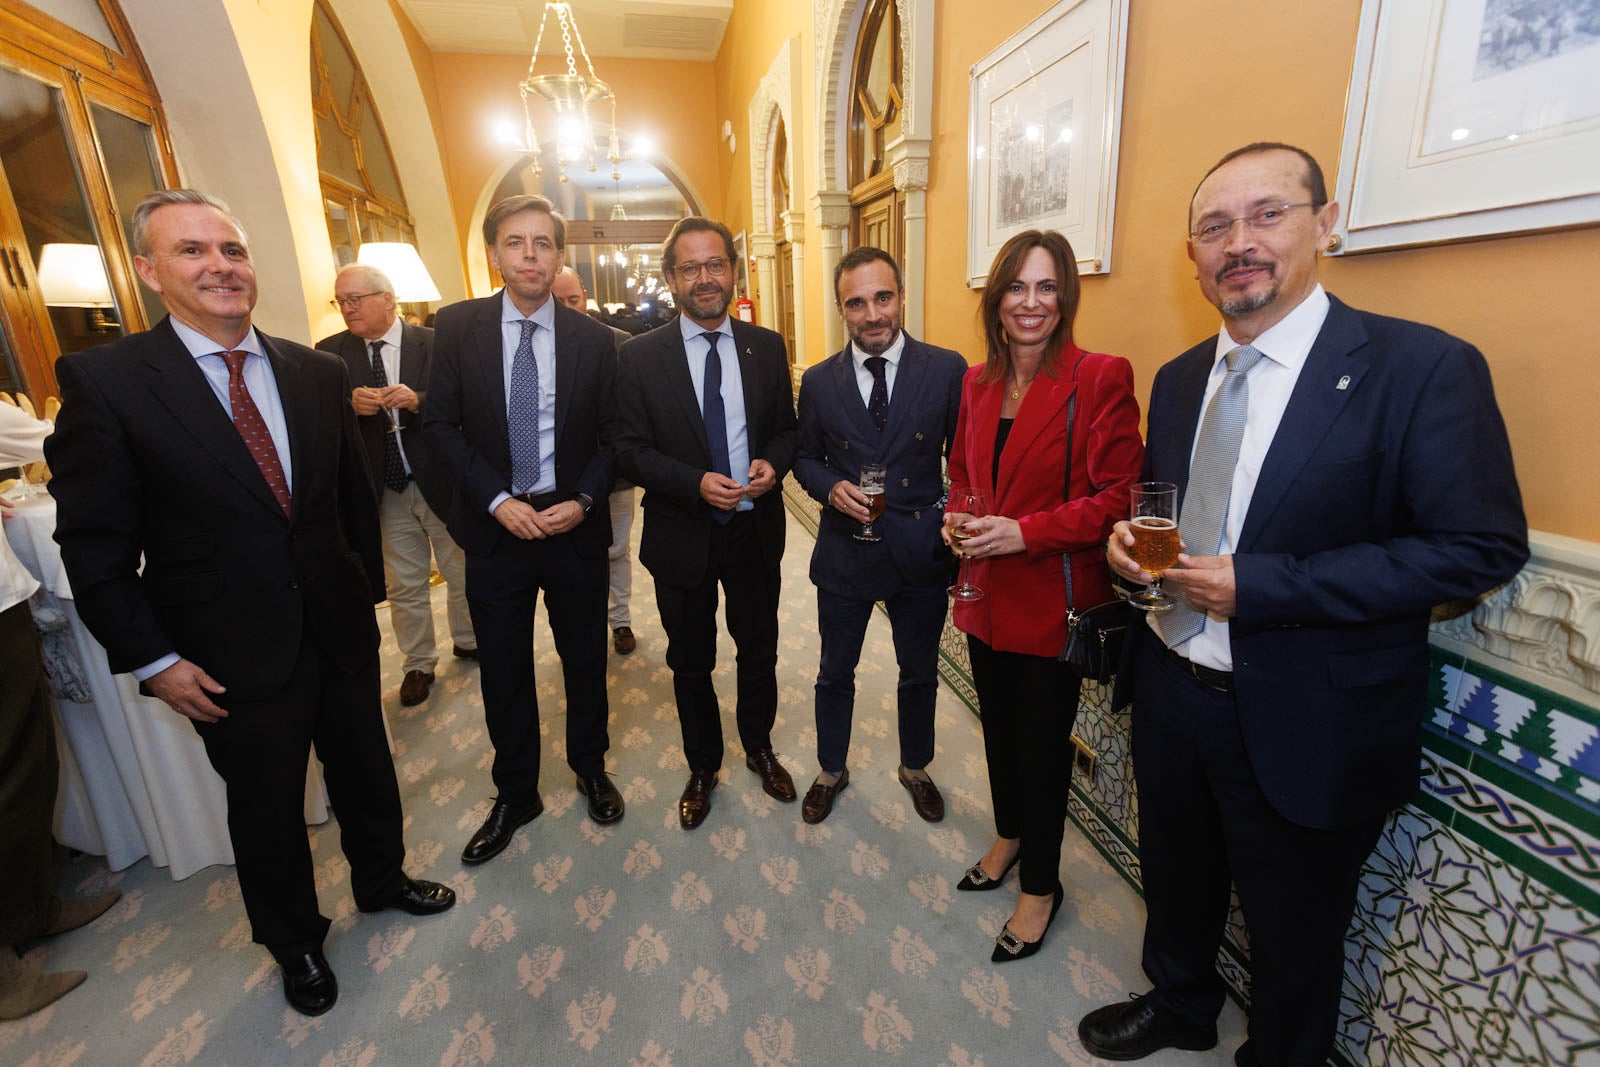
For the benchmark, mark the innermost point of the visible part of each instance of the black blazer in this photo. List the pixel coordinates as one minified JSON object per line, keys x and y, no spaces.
{"x":837,"y":437}
{"x":661,"y":444}
{"x":1388,"y":488}
{"x":416,"y":356}
{"x":465,"y":419}
{"x":146,"y":463}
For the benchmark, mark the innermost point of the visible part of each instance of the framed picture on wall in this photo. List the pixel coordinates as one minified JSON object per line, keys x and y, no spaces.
{"x":1044,"y":128}
{"x":1469,"y":118}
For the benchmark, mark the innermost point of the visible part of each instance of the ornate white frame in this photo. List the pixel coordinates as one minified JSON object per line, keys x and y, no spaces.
{"x":774,"y":101}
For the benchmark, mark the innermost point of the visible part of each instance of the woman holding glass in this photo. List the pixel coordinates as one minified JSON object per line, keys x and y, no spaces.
{"x":1011,"y":451}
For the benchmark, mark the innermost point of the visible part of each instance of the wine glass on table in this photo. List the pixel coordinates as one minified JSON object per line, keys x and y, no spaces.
{"x":872,"y":479}
{"x":1153,"y":521}
{"x":966,"y":503}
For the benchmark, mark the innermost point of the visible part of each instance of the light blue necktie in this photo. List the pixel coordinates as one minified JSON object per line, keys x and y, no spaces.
{"x":522,"y":412}
{"x":1205,"y":501}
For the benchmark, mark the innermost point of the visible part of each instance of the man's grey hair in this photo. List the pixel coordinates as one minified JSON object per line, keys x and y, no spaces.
{"x":376,"y":280}
{"x":163,"y":197}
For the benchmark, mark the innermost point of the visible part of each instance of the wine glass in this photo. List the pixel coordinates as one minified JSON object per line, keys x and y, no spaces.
{"x":1153,"y":521}
{"x":966,"y":502}
{"x":872,"y":478}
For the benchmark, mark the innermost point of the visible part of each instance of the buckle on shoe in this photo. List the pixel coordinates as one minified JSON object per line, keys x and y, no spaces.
{"x":1009,"y":941}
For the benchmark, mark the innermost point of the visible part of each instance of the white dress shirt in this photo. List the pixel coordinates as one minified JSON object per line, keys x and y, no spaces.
{"x":390,"y":354}
{"x":694,"y":344}
{"x":1284,"y":348}
{"x":544,"y":356}
{"x":864,"y":376}
{"x":21,"y":442}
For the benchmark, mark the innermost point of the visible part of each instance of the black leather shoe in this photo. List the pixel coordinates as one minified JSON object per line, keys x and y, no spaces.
{"x":463,"y":653}
{"x":605,"y":803}
{"x":774,"y":779}
{"x":1135,"y":1028}
{"x":495,"y":833}
{"x":1008,"y":946}
{"x":308,"y":983}
{"x":420,"y":898}
{"x":695,"y":804}
{"x":925,"y":796}
{"x":977,"y":881}
{"x":819,"y":798}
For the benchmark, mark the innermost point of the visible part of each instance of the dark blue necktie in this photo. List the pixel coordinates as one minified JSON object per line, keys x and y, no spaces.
{"x":394,"y":468}
{"x":716,"y":418}
{"x":878,"y":405}
{"x":522,"y":412}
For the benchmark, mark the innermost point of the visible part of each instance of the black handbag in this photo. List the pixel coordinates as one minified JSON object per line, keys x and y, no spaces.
{"x":1094,"y":636}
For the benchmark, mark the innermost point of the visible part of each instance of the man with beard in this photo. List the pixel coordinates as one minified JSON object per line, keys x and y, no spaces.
{"x":888,"y":399}
{"x":706,"y":427}
{"x":1340,"y":474}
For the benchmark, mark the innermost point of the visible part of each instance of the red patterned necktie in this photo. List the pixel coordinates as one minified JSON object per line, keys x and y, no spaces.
{"x":253,"y":429}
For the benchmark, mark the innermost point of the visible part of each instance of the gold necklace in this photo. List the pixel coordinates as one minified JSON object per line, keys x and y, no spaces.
{"x":1016,"y":394}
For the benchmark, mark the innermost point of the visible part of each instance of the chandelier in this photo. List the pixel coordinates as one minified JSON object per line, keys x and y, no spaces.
{"x":570,"y":96}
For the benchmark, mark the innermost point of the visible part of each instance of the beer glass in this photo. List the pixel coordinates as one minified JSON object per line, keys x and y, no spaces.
{"x":965,"y":503}
{"x":872,"y":476}
{"x":1153,"y":521}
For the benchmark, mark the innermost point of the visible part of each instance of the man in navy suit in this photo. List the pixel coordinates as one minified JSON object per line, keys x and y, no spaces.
{"x":889,"y":399}
{"x":1340,"y":474}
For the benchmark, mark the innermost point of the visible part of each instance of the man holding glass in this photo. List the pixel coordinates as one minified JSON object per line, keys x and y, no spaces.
{"x":1339,"y":473}
{"x":891,"y":401}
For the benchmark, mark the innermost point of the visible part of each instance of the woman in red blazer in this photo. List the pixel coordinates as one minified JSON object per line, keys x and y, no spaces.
{"x":1010,"y":444}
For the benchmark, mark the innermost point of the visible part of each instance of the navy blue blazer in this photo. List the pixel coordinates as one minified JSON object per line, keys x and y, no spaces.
{"x":1388,"y":489}
{"x":837,"y":437}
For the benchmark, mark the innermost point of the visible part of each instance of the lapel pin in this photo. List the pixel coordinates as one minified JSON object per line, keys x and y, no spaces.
{"x":1344,"y":382}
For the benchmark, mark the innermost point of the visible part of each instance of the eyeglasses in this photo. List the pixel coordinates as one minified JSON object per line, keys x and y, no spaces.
{"x":344,"y":303}
{"x":1212,"y":230}
{"x":690,"y":272}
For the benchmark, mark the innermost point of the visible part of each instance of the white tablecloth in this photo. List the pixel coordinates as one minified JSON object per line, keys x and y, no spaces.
{"x":135,"y":780}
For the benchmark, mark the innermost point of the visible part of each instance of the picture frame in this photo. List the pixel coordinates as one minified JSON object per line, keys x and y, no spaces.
{"x":1043,"y":132}
{"x":1468,"y":119}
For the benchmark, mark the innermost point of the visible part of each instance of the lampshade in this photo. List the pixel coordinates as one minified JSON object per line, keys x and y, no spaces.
{"x":73,"y":276}
{"x":400,"y":262}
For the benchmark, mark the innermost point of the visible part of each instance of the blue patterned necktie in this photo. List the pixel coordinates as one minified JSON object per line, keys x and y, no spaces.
{"x":1205,"y":501}
{"x":716,"y":417}
{"x":522,"y":412}
{"x":878,"y":404}
{"x":394,"y":468}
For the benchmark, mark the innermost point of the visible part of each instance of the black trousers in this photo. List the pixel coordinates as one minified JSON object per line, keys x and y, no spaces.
{"x":502,"y":595}
{"x":261,"y":751}
{"x":916,"y":620}
{"x":28,"y":772}
{"x":1028,"y":704}
{"x":1203,"y":823}
{"x":689,"y":616}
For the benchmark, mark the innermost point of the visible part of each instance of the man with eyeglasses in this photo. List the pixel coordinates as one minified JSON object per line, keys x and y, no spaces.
{"x":519,"y":411}
{"x":388,"y":363}
{"x":706,"y":424}
{"x":1340,"y":473}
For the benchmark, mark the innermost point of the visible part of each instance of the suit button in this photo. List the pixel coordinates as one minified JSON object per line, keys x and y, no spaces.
{"x":919,"y":435}
{"x":847,"y":446}
{"x":294,"y":583}
{"x":916,"y":514}
{"x":905,"y":482}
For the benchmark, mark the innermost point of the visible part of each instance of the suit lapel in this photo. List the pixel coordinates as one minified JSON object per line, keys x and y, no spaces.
{"x":757,"y":392}
{"x":909,"y":379}
{"x":299,"y":414}
{"x":1040,"y":408}
{"x":675,"y":364}
{"x":566,"y":345}
{"x":410,"y":359}
{"x":1188,"y":387}
{"x":359,"y":356}
{"x":844,"y":379}
{"x":487,"y":353}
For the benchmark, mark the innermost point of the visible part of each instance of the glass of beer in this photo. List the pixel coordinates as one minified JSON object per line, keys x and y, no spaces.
{"x":965,"y":503}
{"x":1153,"y":520}
{"x":872,"y":476}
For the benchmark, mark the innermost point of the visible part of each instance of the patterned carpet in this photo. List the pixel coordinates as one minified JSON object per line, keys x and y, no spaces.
{"x":753,"y":940}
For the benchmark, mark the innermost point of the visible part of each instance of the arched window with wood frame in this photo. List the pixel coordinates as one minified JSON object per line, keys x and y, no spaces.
{"x":783,"y":263}
{"x":82,"y":140}
{"x":877,"y":94}
{"x":361,"y":195}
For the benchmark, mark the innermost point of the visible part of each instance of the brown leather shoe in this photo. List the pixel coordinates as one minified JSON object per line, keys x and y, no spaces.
{"x":414,"y":688}
{"x":924,"y":796}
{"x":774,"y":779}
{"x":695,"y":804}
{"x":819,"y":798}
{"x":623,"y":641}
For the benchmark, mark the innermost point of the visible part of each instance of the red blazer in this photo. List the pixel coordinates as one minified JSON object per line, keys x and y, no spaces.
{"x":1025,"y":599}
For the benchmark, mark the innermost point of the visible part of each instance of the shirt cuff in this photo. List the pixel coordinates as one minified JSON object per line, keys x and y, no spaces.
{"x":150,"y":670}
{"x":497,"y":501}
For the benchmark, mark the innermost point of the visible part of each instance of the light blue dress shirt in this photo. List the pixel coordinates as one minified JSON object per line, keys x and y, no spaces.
{"x":694,"y":344}
{"x":544,"y":355}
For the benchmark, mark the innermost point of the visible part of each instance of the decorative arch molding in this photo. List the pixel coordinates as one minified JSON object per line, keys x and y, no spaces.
{"x":774,"y":102}
{"x":837,"y":23}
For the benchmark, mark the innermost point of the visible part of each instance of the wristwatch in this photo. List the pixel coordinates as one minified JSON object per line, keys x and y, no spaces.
{"x":585,"y":501}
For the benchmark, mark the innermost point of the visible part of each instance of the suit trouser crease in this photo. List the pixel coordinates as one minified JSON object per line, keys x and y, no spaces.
{"x":620,"y":557}
{"x":916,"y":621}
{"x":1027,"y":709}
{"x":1204,"y":824}
{"x":28,"y":786}
{"x":413,"y":536}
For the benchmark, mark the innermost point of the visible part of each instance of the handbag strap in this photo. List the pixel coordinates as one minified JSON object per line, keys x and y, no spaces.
{"x":1066,"y":493}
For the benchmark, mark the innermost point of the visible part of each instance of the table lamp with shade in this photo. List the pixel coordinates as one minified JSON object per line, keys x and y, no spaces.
{"x":74,"y":276}
{"x":411,"y":281}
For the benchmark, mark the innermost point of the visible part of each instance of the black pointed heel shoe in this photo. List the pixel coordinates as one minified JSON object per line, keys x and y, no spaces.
{"x":976,"y":881}
{"x":1008,"y":946}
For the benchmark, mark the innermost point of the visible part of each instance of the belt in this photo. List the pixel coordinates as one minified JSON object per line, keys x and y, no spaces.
{"x":1211,"y":678}
{"x":540,"y":501}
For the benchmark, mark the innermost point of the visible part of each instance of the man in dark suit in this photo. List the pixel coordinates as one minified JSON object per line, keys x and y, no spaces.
{"x":706,"y":426}
{"x":229,"y":461}
{"x":388,"y":364}
{"x":888,"y":399}
{"x":519,"y":412}
{"x":1340,"y":473}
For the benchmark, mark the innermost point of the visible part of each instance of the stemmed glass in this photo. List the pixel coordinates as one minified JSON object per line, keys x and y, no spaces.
{"x":1153,"y":520}
{"x":872,"y":477}
{"x":966,"y":502}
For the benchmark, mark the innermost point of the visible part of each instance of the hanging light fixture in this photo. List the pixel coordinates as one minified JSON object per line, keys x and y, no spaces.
{"x":570,"y":96}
